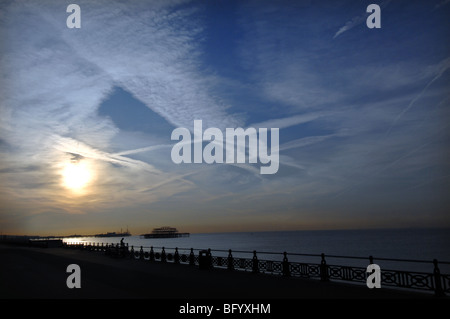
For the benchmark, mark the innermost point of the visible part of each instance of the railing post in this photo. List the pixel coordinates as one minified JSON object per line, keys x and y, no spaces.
{"x":438,"y":291}
{"x":323,"y":269}
{"x":255,"y":264}
{"x":176,"y":257}
{"x":163,"y":255}
{"x":230,"y":260}
{"x":152,"y":254}
{"x":141,"y":253}
{"x":286,"y":270}
{"x":132,"y":252}
{"x":209,"y":258}
{"x":192,"y":258}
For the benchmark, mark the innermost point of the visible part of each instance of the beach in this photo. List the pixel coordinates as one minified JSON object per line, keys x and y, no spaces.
{"x":30,"y":272}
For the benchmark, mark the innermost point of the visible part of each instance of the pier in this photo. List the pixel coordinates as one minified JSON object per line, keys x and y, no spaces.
{"x":165,"y":232}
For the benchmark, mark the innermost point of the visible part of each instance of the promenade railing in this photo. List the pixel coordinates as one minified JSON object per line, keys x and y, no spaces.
{"x":318,"y":267}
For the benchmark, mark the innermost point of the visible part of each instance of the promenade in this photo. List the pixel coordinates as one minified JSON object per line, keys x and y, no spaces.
{"x":27,"y":272}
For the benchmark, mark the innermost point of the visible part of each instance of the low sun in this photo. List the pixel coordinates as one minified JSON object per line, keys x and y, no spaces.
{"x":76,"y":175}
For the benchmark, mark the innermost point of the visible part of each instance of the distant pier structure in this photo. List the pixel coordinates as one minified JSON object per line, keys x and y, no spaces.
{"x":114,"y":234}
{"x":165,"y":232}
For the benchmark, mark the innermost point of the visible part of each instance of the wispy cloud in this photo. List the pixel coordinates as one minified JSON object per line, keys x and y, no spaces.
{"x":441,"y":4}
{"x":350,"y":24}
{"x":57,"y":78}
{"x":155,"y":58}
{"x":332,"y":104}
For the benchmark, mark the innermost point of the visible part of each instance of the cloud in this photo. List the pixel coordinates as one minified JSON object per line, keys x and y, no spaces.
{"x":285,"y":73}
{"x":53,"y":80}
{"x":152,"y":54}
{"x":441,"y":4}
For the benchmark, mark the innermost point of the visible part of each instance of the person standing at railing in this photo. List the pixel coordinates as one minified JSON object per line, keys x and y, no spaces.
{"x":123,"y":248}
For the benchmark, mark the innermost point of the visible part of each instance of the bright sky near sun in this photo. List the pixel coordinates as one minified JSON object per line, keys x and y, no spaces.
{"x":86,"y":114}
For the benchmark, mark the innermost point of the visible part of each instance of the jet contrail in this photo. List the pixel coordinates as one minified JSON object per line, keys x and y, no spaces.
{"x":142,"y":149}
{"x":67,"y":145}
{"x":445,"y":67}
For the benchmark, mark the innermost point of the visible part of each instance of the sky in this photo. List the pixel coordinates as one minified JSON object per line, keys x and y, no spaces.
{"x":86,"y":115}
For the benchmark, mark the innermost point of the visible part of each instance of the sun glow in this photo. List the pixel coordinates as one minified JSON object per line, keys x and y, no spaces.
{"x":76,"y":175}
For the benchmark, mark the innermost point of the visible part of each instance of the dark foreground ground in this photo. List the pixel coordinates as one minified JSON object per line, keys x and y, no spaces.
{"x":27,"y":272}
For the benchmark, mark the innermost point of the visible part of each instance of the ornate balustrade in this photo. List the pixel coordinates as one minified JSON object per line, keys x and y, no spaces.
{"x":432,"y":281}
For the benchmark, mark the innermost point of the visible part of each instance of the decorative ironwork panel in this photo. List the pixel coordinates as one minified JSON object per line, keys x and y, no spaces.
{"x":237,"y":262}
{"x":359,"y":274}
{"x":421,"y":281}
{"x":265,"y":266}
{"x":219,"y":261}
{"x":389,"y":278}
{"x":248,"y":264}
{"x":303,"y":270}
{"x":314,"y":270}
{"x":277,"y":267}
{"x":295,"y":269}
{"x":347,"y":273}
{"x":405,"y":279}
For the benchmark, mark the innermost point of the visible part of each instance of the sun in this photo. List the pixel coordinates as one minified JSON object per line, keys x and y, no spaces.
{"x":76,"y":175}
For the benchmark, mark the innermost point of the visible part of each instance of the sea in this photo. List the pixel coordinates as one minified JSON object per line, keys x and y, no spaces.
{"x":417,"y":248}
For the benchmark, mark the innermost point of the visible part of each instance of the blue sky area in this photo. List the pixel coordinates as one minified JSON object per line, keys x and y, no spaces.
{"x":363,"y":114}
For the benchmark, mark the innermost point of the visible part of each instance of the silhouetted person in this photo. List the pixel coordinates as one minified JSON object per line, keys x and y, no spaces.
{"x":123,"y":249}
